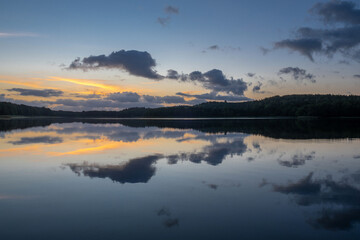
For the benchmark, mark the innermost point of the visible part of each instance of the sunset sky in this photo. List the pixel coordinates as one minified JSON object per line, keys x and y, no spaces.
{"x":111,"y":55}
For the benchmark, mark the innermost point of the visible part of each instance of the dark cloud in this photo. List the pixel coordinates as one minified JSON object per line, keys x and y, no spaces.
{"x":164,"y":212}
{"x":134,"y":62}
{"x":305,"y":46}
{"x":137,"y":170}
{"x":257,"y":88}
{"x":264,"y":50}
{"x":297,"y":160}
{"x":338,"y":11}
{"x":214,"y":47}
{"x":164,"y":20}
{"x":37,"y":92}
{"x":215,"y":96}
{"x":216,"y":81}
{"x":344,"y":40}
{"x":297,"y":73}
{"x":250,"y":74}
{"x":168,"y":222}
{"x":222,"y":48}
{"x":171,"y":222}
{"x":87,"y":96}
{"x":124,"y":136}
{"x":211,"y":185}
{"x":304,"y":186}
{"x":165,"y":99}
{"x":337,"y":219}
{"x":356,"y":76}
{"x":141,"y":64}
{"x":171,"y":10}
{"x":172,"y":74}
{"x":124,"y":97}
{"x":341,"y":199}
{"x":41,"y":139}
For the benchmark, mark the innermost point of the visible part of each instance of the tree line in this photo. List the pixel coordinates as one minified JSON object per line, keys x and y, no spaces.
{"x":282,"y":106}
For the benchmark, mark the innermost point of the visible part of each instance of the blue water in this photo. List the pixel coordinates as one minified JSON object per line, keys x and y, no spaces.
{"x":183,"y":179}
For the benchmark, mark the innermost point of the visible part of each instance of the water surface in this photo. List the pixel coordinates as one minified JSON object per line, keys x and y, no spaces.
{"x":179,"y":179}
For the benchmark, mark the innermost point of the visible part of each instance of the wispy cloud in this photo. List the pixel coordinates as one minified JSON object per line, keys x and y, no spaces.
{"x":169,"y":10}
{"x":86,"y":82}
{"x":8,"y":35}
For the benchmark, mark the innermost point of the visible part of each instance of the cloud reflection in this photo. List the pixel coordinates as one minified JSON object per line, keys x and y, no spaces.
{"x":137,"y":170}
{"x":297,"y":160}
{"x":212,"y":154}
{"x":340,"y":201}
{"x":33,"y":140}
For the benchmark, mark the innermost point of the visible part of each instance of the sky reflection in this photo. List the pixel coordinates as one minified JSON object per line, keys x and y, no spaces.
{"x":172,"y":177}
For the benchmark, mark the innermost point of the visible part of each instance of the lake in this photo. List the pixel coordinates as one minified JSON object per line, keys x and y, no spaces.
{"x":179,"y":179}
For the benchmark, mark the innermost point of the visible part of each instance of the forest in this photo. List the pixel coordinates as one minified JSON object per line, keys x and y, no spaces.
{"x":277,"y":106}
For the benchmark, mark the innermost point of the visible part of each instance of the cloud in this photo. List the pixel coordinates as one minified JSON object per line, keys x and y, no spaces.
{"x":171,"y":222}
{"x":87,"y":96}
{"x":124,"y":97}
{"x":165,"y":99}
{"x":297,"y":160}
{"x":356,"y":76}
{"x":164,"y":20}
{"x":298,"y":74}
{"x":111,"y":101}
{"x":216,"y":81}
{"x":344,"y":40}
{"x":215,"y":96}
{"x":338,"y":11}
{"x":250,"y":74}
{"x":214,"y":47}
{"x":168,"y":222}
{"x":257,"y":88}
{"x":264,"y":50}
{"x":7,"y":35}
{"x":37,"y":92}
{"x":306,"y":46}
{"x":172,"y":74}
{"x":137,"y":170}
{"x":224,"y":48}
{"x":171,"y":10}
{"x":33,"y":140}
{"x":164,"y":212}
{"x":134,"y":62}
{"x":141,"y":64}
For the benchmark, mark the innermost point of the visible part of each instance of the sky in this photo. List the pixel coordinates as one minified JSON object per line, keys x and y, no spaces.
{"x":111,"y":55}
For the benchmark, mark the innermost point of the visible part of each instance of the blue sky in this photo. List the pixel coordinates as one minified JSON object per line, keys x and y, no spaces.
{"x":40,"y":39}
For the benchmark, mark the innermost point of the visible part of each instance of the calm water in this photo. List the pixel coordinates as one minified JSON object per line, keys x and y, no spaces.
{"x":178,"y":179}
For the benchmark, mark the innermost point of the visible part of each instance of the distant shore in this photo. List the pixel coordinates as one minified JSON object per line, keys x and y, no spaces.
{"x":290,"y":106}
